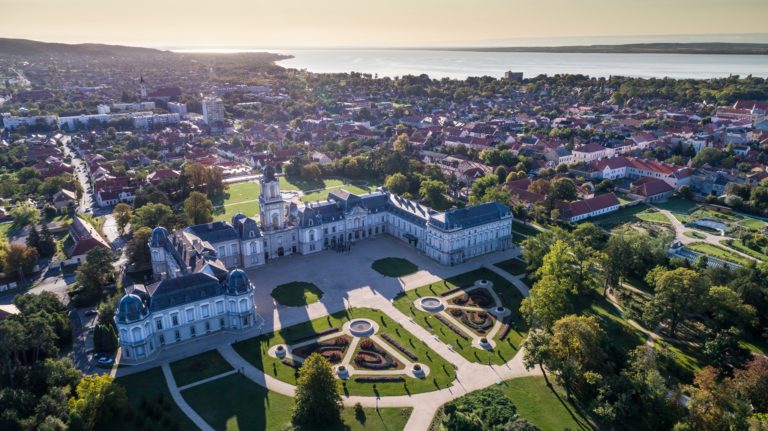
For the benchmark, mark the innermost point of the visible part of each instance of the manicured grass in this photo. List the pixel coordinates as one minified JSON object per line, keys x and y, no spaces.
{"x":740,"y":246}
{"x":297,"y":294}
{"x":511,"y":298}
{"x":145,"y":389}
{"x":525,"y":229}
{"x":235,"y":403}
{"x":653,"y":216}
{"x":513,"y":266}
{"x":544,"y":406}
{"x":394,"y":267}
{"x":718,"y":252}
{"x":322,"y":195}
{"x":754,"y":224}
{"x":199,"y":367}
{"x":697,"y":235}
{"x":623,"y":215}
{"x":442,"y":373}
{"x":240,"y":197}
{"x":677,"y":204}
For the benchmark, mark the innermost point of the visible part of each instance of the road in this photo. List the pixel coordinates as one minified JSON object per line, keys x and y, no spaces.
{"x":86,"y":203}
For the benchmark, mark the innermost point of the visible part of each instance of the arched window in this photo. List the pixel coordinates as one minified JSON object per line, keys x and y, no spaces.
{"x":275,"y":220}
{"x":251,"y":234}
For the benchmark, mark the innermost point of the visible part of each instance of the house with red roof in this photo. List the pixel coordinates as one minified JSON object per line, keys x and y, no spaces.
{"x":650,"y":189}
{"x":584,"y":209}
{"x":85,"y":238}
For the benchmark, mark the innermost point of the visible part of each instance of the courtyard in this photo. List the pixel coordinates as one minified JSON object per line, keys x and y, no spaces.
{"x":388,"y":350}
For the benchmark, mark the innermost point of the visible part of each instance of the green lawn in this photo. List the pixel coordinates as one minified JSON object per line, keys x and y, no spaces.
{"x":754,"y":224}
{"x":653,"y":216}
{"x":235,"y":403}
{"x":199,"y":367}
{"x":394,"y":267}
{"x":525,"y":229}
{"x":511,"y":297}
{"x":145,"y":390}
{"x":623,"y":215}
{"x":322,"y":195}
{"x":240,"y":197}
{"x":677,"y":204}
{"x":684,"y":360}
{"x":718,"y":252}
{"x":442,"y":373}
{"x":297,"y":294}
{"x":622,"y":336}
{"x":740,"y":246}
{"x":544,"y":406}
{"x":513,"y":266}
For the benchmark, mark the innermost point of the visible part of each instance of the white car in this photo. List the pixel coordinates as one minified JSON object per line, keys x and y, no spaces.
{"x":105,"y":360}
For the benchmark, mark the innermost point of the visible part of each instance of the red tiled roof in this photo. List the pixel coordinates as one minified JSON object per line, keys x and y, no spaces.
{"x":647,"y":186}
{"x":594,"y":204}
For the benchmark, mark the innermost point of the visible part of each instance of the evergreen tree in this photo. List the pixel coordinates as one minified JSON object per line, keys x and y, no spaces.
{"x":47,"y":246}
{"x":33,"y":238}
{"x":318,"y":401}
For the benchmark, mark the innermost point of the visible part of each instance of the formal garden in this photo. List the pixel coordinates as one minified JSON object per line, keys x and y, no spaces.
{"x":371,"y":354}
{"x":477,"y":313}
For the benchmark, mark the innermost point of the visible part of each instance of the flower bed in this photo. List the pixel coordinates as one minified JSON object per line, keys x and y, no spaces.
{"x":453,"y":327}
{"x":477,"y":298}
{"x":373,"y":357}
{"x":315,"y":335}
{"x":479,"y":321}
{"x":332,"y":350}
{"x":379,"y":379}
{"x":400,"y":347}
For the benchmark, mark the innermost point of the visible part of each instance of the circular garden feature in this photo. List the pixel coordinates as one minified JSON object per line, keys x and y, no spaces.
{"x":361,"y":327}
{"x":296,"y":294}
{"x":431,"y":304}
{"x":394,"y":267}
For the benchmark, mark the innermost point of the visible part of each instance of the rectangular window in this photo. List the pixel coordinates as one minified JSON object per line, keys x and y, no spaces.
{"x":192,"y":330}
{"x":175,"y":319}
{"x":159,"y":324}
{"x":221,"y":323}
{"x":190,"y":314}
{"x":221,"y":251}
{"x":178,"y":335}
{"x":219,"y":307}
{"x":207,"y":327}
{"x":205,"y":310}
{"x":233,"y":249}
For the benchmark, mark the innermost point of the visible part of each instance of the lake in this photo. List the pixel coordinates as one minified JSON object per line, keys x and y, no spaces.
{"x":461,"y":64}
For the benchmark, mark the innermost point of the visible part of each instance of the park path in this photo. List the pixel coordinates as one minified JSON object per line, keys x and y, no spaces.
{"x":176,"y":394}
{"x":514,"y":279}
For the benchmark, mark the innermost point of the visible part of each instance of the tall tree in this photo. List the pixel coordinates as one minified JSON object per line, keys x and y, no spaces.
{"x":20,"y":259}
{"x":47,"y":246}
{"x":318,"y":401}
{"x":576,"y":348}
{"x":564,"y":189}
{"x":98,"y":400}
{"x":122,"y":215}
{"x":678,"y":294}
{"x":397,"y":183}
{"x":198,"y":208}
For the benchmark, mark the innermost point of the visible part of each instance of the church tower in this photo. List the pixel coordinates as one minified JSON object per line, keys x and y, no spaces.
{"x":142,"y":88}
{"x":271,"y":205}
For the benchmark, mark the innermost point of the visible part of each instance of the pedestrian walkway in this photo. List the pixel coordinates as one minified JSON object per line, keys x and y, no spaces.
{"x":176,"y":394}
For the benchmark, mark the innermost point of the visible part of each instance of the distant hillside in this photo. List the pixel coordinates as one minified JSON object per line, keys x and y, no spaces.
{"x":24,"y":47}
{"x":635,"y":48}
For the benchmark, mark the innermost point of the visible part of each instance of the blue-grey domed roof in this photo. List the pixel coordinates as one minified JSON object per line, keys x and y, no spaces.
{"x":159,"y":237}
{"x":237,"y":281}
{"x":130,"y":308}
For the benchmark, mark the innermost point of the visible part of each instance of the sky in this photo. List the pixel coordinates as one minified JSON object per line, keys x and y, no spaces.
{"x":381,"y":23}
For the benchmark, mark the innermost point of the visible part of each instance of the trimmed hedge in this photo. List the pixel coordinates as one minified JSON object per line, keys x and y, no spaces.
{"x":504,"y":331}
{"x":454,"y":290}
{"x":400,"y":347}
{"x":453,"y":327}
{"x":291,"y":363}
{"x":379,"y":379}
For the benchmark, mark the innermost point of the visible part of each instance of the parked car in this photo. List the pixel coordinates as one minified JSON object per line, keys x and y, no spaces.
{"x":105,"y":360}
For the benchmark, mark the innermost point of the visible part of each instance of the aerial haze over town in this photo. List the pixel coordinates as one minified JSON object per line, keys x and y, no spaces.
{"x":413,"y":215}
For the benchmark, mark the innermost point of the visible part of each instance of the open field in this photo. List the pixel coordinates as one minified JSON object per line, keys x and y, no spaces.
{"x":677,"y":205}
{"x":544,"y":406}
{"x":240,"y":197}
{"x":442,"y":373}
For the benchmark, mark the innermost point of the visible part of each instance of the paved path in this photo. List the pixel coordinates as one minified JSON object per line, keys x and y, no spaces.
{"x":176,"y":394}
{"x":516,"y":280}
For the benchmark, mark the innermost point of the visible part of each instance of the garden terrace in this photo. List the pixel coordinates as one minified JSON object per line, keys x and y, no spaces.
{"x":370,"y":356}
